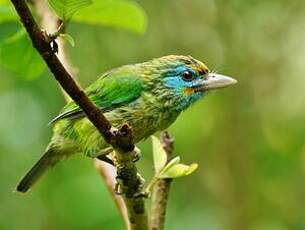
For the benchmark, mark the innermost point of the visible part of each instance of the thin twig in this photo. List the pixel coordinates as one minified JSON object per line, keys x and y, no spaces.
{"x":120,"y":139}
{"x":161,"y":188}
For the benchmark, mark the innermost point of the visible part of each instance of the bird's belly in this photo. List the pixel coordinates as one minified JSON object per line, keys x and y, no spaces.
{"x":143,"y":124}
{"x":146,"y":124}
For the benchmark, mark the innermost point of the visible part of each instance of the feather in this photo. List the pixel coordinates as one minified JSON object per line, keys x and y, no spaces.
{"x":117,"y":88}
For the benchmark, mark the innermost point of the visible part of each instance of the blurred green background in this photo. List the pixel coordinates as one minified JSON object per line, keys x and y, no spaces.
{"x":248,"y":140}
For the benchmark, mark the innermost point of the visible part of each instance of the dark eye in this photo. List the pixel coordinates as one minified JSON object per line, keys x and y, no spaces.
{"x":187,"y":76}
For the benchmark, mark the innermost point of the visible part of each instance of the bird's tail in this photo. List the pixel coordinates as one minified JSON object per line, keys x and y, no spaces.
{"x":49,"y":158}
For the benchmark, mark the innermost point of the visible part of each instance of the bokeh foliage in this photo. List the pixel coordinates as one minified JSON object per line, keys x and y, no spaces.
{"x":248,"y":139}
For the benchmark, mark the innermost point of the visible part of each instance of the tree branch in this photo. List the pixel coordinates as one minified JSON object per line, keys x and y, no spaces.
{"x":41,"y":41}
{"x":161,"y":188}
{"x":121,"y":140}
{"x":50,"y":22}
{"x":130,"y":183}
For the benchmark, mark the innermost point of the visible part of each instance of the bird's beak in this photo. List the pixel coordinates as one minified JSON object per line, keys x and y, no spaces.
{"x":216,"y":81}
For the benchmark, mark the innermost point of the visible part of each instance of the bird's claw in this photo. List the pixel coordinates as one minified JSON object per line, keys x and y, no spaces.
{"x":143,"y":194}
{"x":137,"y":157}
{"x":106,"y":159}
{"x":117,"y":187}
{"x":136,"y":154}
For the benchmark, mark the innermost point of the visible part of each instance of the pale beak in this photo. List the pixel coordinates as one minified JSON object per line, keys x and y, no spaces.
{"x":216,"y":81}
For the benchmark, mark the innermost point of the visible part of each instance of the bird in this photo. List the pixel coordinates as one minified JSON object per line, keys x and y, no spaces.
{"x":148,"y":96}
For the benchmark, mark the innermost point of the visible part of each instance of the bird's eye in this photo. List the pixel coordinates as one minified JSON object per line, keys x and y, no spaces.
{"x":187,"y":76}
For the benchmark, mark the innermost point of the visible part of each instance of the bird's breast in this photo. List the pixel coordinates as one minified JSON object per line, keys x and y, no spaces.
{"x":145,"y":116}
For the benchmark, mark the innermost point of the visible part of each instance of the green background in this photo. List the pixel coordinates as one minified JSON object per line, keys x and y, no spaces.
{"x":248,"y":139}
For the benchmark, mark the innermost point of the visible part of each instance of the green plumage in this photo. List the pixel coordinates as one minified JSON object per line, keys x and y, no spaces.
{"x":148,"y":96}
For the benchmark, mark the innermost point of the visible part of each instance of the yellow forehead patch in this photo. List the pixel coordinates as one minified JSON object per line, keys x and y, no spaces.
{"x":200,"y":67}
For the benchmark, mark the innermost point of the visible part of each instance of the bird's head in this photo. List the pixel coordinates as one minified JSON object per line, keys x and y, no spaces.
{"x":182,"y":80}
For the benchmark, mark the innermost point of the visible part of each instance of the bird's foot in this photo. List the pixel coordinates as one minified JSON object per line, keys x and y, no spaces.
{"x":142,"y":194}
{"x":117,"y":188}
{"x":106,"y":159}
{"x":136,"y":154}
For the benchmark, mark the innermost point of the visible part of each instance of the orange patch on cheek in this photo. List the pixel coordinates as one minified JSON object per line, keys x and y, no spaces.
{"x":188,"y":91}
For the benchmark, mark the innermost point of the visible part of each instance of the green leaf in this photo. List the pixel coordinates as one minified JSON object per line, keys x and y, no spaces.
{"x":178,"y":170}
{"x":116,"y":13}
{"x":174,"y":161}
{"x":66,"y":8}
{"x":7,"y":12}
{"x":68,"y":38}
{"x":18,"y":55}
{"x":159,"y":154}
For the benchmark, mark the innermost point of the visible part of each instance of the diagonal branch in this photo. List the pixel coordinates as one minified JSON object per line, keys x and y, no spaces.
{"x":121,"y":139}
{"x":49,"y":21}
{"x":41,"y":41}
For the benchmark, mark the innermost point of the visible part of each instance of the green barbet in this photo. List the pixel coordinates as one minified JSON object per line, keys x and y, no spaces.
{"x":148,"y":96}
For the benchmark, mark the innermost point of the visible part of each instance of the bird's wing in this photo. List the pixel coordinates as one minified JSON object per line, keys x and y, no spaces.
{"x":111,"y":91}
